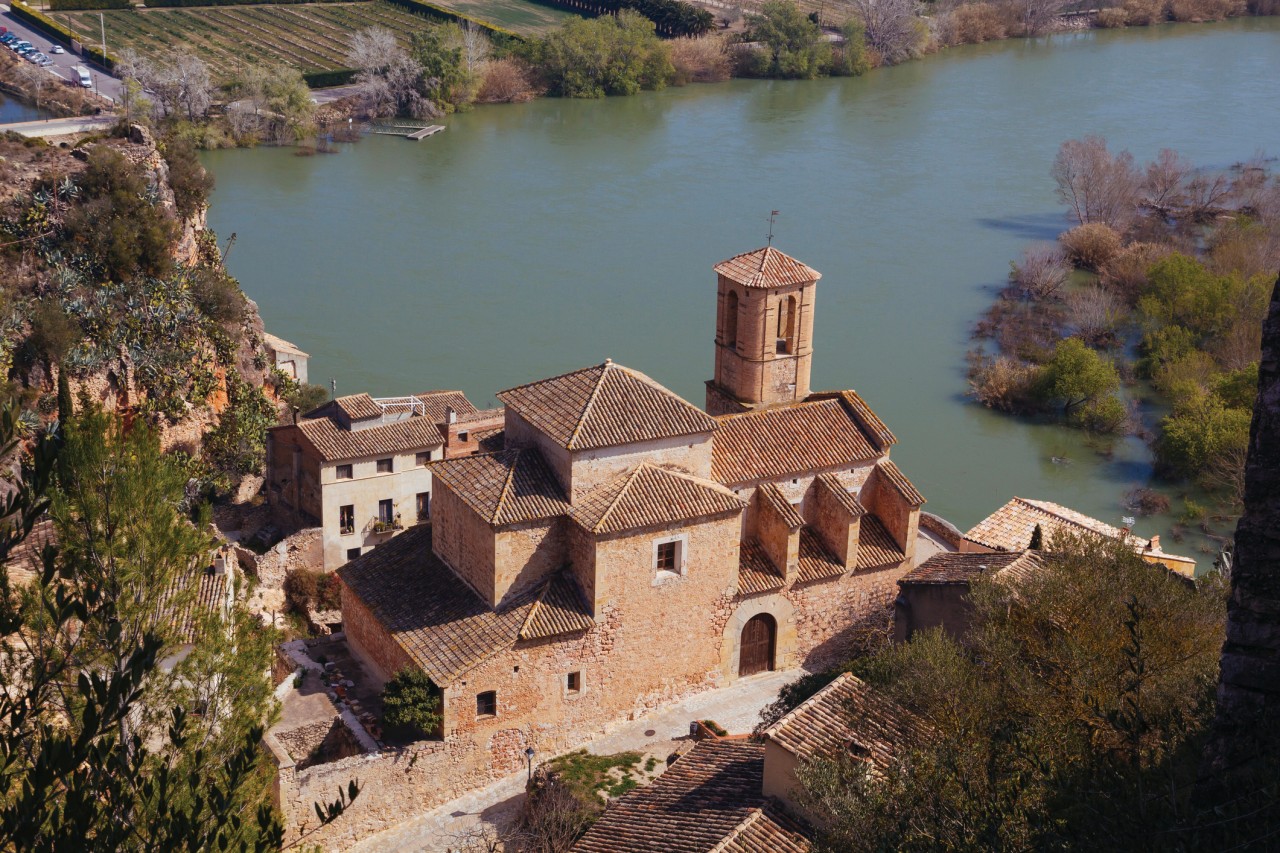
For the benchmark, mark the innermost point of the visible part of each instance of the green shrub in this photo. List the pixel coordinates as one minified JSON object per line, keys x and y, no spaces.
{"x":1091,"y":245}
{"x":1105,"y":415}
{"x":1238,"y":389}
{"x":190,"y":182}
{"x":79,"y":5}
{"x":300,"y":588}
{"x":792,"y":44}
{"x":1075,"y":376}
{"x":411,"y":703}
{"x":1201,"y":433}
{"x":602,"y":56}
{"x":217,"y":295}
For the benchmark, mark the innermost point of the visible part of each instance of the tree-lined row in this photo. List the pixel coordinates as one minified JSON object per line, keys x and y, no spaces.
{"x":671,"y":17}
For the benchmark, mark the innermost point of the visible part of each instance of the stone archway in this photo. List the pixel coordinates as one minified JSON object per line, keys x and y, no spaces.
{"x":780,"y":612}
{"x":758,"y":645}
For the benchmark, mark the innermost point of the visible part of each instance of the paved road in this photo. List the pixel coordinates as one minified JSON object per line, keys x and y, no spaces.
{"x":61,"y":126}
{"x":63,"y":64}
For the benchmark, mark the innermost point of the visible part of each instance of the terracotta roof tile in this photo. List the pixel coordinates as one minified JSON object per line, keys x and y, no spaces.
{"x":756,"y":572}
{"x":277,"y":344}
{"x":876,"y":546}
{"x":557,"y":610}
{"x":648,"y":496}
{"x":711,"y":796}
{"x":816,"y":562}
{"x":773,"y":496}
{"x":766,"y":268}
{"x":848,"y":716}
{"x":358,"y":407}
{"x":191,"y":598}
{"x":786,"y":440}
{"x":872,"y":427}
{"x":491,"y":440}
{"x":767,"y":831}
{"x":504,"y":488}
{"x":895,"y":478}
{"x":957,"y":568}
{"x":436,"y":402}
{"x":434,"y":617}
{"x":831,"y":484}
{"x":333,"y":442}
{"x":605,"y":406}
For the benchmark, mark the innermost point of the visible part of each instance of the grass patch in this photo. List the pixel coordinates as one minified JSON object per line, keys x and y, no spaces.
{"x":587,"y":775}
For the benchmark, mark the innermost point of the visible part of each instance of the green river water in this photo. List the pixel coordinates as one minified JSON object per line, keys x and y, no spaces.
{"x":529,"y":240}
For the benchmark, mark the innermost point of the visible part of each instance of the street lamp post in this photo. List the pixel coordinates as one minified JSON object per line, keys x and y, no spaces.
{"x":528,"y":757}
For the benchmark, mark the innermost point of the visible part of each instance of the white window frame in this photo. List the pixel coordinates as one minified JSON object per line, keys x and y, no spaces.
{"x":682,"y":559}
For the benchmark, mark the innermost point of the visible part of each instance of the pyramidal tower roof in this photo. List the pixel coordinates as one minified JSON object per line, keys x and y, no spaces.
{"x":766,"y":268}
{"x":604,"y":406}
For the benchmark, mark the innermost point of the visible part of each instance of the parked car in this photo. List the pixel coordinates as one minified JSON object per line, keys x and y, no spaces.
{"x":57,"y":48}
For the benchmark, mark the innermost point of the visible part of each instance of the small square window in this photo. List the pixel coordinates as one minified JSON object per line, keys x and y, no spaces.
{"x":487,"y":704}
{"x":344,"y":472}
{"x":352,"y":553}
{"x":573,"y":682}
{"x":347,"y":519}
{"x":463,"y":436}
{"x":422,"y":458}
{"x":667,"y":552}
{"x":386,"y":466}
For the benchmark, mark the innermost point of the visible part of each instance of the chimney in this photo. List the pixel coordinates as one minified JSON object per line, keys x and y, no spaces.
{"x":295,"y":414}
{"x":450,"y":416}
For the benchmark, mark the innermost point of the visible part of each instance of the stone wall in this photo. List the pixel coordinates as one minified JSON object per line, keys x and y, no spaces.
{"x":300,"y":550}
{"x":367,"y":639}
{"x":464,"y":541}
{"x":524,"y":555}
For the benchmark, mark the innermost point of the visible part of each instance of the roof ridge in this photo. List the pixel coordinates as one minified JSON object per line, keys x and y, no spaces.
{"x":628,"y":479}
{"x":754,"y":814}
{"x":506,"y":485}
{"x":591,"y":401}
{"x":549,"y":378}
{"x":812,"y":700}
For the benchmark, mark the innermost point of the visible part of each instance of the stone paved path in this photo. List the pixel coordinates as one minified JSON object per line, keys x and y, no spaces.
{"x":452,"y":825}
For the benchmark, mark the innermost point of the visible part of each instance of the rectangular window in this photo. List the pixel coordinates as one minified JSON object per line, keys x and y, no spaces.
{"x":344,"y":472}
{"x":422,"y":458}
{"x":347,"y":519}
{"x":463,"y":436}
{"x":386,"y":466}
{"x":386,"y":511}
{"x":487,"y":704}
{"x":424,"y":506}
{"x":352,"y":553}
{"x":573,"y":682}
{"x":667,"y":553}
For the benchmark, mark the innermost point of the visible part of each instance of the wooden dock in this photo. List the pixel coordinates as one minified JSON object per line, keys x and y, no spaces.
{"x":409,"y":131}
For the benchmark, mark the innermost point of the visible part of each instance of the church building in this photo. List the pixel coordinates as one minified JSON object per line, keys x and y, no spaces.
{"x":620,"y":548}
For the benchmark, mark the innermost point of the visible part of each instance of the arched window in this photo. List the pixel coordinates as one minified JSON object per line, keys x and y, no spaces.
{"x":731,"y":320}
{"x":787,"y":325}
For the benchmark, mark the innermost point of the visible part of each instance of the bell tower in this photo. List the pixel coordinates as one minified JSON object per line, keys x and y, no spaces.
{"x":764,"y":331}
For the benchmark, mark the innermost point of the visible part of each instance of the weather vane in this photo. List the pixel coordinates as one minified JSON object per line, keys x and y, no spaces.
{"x":773,"y":214}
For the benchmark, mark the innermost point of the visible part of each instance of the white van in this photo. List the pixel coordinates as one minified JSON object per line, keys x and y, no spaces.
{"x":83,"y":74}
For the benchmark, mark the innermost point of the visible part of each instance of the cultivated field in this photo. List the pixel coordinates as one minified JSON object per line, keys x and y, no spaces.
{"x":312,"y":37}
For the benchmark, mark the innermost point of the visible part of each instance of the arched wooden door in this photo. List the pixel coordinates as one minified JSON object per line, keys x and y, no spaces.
{"x":759,"y":638}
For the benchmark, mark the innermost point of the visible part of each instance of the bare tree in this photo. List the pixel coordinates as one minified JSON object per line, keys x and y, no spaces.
{"x":389,"y":80}
{"x":1163,"y":186}
{"x":1094,"y":311}
{"x":1042,"y":272}
{"x":33,"y":79}
{"x":1099,"y":186}
{"x":892,"y":28}
{"x":1037,"y":15}
{"x":475,"y":48}
{"x":195,"y":85}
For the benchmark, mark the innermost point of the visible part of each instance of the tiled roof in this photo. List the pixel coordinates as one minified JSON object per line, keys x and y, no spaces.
{"x":357,"y":407}
{"x":756,"y":572}
{"x":876,"y":546}
{"x":333,"y":442}
{"x":895,"y":478}
{"x":786,"y":440}
{"x":1011,"y":526}
{"x":874,"y":428}
{"x":491,"y":440}
{"x":766,"y":268}
{"x":277,"y":344}
{"x":506,"y":487}
{"x":435,"y":402}
{"x":773,"y":496}
{"x":831,"y":484}
{"x":816,"y":562}
{"x":190,"y":599}
{"x":557,"y":610}
{"x":649,"y":496}
{"x":435,"y":618}
{"x":848,"y":716}
{"x":712,"y":796}
{"x":957,"y":568}
{"x":604,"y":406}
